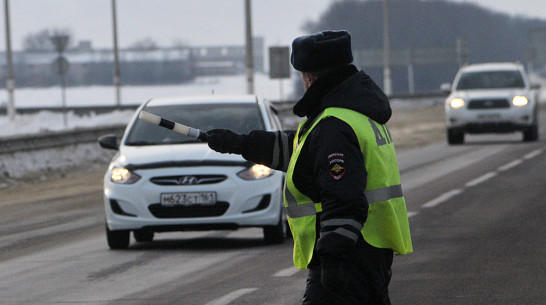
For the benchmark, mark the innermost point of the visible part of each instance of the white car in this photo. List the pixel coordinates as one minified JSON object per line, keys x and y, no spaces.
{"x":162,"y":181}
{"x":491,"y":98}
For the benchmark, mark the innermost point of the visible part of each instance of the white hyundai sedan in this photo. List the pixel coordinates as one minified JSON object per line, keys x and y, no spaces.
{"x":161,"y":181}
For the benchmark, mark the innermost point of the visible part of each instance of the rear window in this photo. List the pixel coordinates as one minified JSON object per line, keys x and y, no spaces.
{"x":490,"y":80}
{"x":241,"y":118}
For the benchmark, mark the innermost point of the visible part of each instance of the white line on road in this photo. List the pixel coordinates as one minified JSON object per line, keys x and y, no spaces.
{"x":231,"y":296}
{"x":446,"y":196}
{"x":532,"y":154}
{"x":286,"y":272}
{"x":411,"y":214}
{"x":510,"y":165}
{"x":481,"y":179}
{"x":442,"y":198}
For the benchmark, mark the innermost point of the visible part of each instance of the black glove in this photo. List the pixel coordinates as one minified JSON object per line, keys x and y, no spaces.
{"x":334,"y":276}
{"x":225,"y":141}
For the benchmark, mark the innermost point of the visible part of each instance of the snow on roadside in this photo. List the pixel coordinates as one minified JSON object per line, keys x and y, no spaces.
{"x":105,"y":95}
{"x":44,"y":121}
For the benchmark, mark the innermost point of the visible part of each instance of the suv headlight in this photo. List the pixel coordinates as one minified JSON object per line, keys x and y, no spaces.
{"x":456,"y":103}
{"x":520,"y":100}
{"x":257,"y":171}
{"x":122,"y":175}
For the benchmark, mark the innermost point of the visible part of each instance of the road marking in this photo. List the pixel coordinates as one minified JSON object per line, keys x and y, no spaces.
{"x":481,"y":179}
{"x":411,"y":214}
{"x":446,"y":196}
{"x":231,"y":296}
{"x":532,"y":154}
{"x":510,"y":165}
{"x":442,"y":198}
{"x":286,"y":272}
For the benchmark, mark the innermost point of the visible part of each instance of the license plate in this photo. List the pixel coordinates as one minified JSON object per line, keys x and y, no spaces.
{"x":489,"y":116}
{"x":188,"y":198}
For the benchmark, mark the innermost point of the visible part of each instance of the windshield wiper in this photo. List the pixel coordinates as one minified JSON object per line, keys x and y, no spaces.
{"x":140,"y":143}
{"x":183,"y":142}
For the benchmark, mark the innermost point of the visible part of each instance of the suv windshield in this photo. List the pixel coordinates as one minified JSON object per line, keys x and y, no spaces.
{"x":241,"y":118}
{"x":490,"y":80}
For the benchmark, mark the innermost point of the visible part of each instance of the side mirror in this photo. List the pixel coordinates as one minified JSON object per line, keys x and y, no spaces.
{"x":274,"y":109}
{"x":109,"y":141}
{"x":446,"y":87}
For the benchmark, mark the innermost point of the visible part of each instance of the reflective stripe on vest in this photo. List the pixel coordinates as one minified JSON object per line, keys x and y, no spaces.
{"x":295,"y":210}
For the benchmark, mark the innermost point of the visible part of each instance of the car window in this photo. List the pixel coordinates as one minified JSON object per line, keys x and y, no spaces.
{"x":490,"y":80}
{"x":241,"y":118}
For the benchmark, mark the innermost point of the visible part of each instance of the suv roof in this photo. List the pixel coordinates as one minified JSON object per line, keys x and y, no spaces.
{"x":493,"y":66}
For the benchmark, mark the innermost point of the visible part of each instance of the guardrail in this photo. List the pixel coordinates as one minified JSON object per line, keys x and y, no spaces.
{"x":79,"y":110}
{"x":51,"y":139}
{"x":48,"y":140}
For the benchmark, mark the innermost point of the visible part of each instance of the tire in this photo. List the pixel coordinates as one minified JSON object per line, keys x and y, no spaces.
{"x":455,"y":137}
{"x":276,"y":234}
{"x":143,"y":235}
{"x":117,"y":239}
{"x":531,"y":134}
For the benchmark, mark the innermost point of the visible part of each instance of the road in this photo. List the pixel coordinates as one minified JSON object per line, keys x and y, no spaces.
{"x":475,"y":213}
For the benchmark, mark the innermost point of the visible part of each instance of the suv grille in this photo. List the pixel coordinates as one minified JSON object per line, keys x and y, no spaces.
{"x":188,"y":179}
{"x":190,"y":211}
{"x":488,"y":104}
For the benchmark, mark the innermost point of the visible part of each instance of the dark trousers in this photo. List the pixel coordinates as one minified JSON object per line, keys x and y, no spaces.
{"x":370,"y":270}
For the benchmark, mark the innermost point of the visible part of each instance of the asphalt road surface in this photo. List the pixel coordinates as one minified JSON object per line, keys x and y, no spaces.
{"x":476,"y":214}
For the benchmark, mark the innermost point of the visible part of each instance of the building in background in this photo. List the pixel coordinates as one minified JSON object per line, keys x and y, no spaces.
{"x":138,"y":66}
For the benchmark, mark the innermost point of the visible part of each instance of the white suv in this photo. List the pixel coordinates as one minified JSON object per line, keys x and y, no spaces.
{"x":491,"y":98}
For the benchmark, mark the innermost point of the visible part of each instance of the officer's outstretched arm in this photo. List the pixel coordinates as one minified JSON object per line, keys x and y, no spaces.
{"x":272,"y":149}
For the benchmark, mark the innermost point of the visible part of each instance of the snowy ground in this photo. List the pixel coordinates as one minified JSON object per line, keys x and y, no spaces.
{"x":130,"y":95}
{"x":44,"y":163}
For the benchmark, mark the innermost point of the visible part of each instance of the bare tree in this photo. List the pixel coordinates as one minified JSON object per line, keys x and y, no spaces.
{"x":41,"y":41}
{"x":144,"y":44}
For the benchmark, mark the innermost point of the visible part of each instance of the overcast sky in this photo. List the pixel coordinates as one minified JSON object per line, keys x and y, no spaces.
{"x":193,"y":22}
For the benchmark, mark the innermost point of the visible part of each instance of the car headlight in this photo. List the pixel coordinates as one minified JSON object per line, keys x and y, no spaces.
{"x":255,"y":172}
{"x":122,"y":175}
{"x":456,"y":103}
{"x":520,"y":100}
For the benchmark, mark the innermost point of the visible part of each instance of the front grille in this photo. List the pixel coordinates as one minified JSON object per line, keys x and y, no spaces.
{"x":188,"y":179}
{"x":488,"y":104}
{"x":190,"y":211}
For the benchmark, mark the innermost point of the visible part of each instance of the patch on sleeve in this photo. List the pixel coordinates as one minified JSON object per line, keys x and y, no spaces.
{"x":336,"y":164}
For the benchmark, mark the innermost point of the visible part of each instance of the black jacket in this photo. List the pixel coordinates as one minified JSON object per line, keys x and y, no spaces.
{"x":341,"y":191}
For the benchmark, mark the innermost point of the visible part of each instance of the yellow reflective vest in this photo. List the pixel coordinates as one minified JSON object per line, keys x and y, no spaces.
{"x":387,"y":223}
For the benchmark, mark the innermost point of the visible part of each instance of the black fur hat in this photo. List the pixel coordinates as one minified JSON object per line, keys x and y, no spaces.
{"x":320,"y":51}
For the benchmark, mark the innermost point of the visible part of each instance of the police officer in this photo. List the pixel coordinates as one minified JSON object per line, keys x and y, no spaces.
{"x":342,"y":194}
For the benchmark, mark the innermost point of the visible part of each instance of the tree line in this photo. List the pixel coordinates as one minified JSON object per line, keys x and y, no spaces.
{"x":490,"y":36}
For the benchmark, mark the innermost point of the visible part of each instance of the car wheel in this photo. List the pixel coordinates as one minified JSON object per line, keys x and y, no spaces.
{"x":143,"y":235}
{"x":276,"y":234}
{"x":117,"y":239}
{"x":455,"y":137}
{"x":531,"y":134}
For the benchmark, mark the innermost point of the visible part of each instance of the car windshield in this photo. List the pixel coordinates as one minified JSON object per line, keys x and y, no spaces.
{"x":241,"y":118}
{"x":490,"y":80}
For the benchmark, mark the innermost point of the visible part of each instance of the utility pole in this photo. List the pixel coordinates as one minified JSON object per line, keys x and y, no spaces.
{"x":61,"y":66}
{"x":10,"y":81}
{"x":117,"y":77}
{"x":387,"y":83}
{"x":249,"y":49}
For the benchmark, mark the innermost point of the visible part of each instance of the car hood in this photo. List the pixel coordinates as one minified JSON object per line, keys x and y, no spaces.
{"x":488,"y":94}
{"x":195,"y":153}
